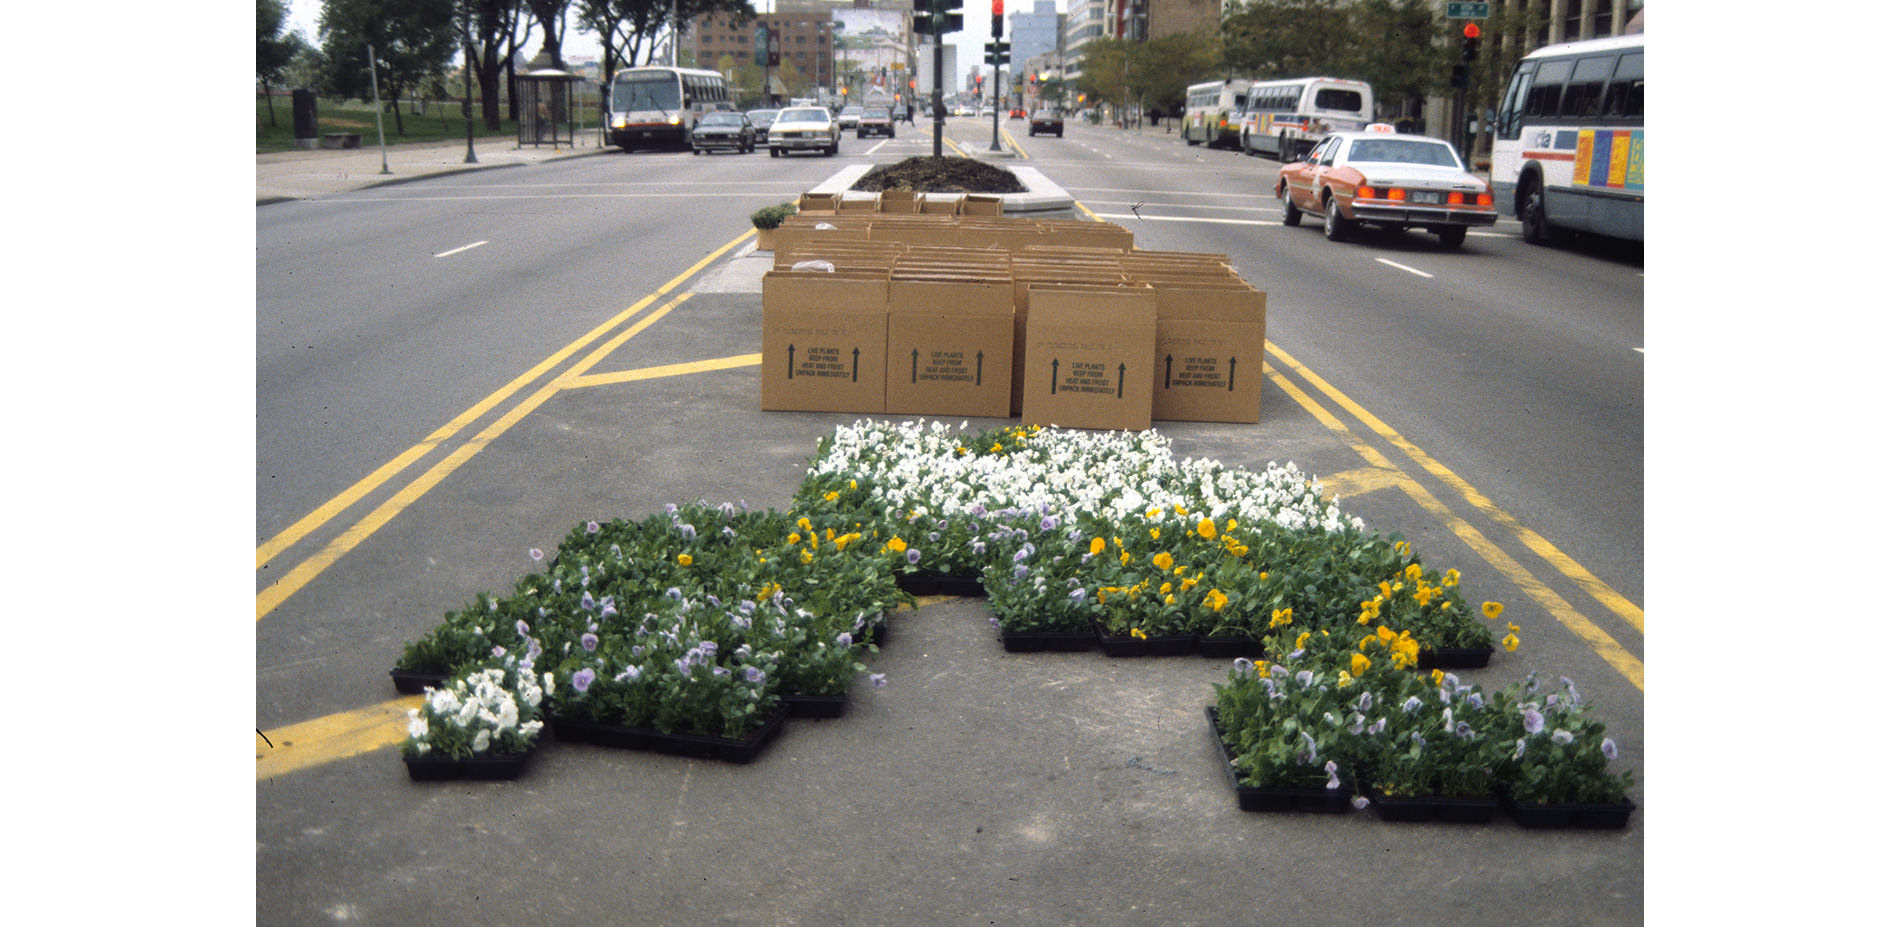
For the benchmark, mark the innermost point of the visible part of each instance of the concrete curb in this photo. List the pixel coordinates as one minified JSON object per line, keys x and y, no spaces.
{"x":1043,"y":196}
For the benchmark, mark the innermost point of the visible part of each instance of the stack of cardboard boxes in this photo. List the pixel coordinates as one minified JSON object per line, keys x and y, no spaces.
{"x":892,"y":307}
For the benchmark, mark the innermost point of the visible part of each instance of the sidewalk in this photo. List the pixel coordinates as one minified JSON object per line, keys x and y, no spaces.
{"x":291,"y":175}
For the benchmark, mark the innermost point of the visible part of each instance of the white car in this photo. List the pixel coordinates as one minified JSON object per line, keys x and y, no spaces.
{"x":1383,"y":178}
{"x":803,"y":128}
{"x":848,"y":117}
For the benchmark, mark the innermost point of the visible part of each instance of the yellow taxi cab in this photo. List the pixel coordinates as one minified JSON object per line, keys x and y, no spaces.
{"x":1388,"y":179}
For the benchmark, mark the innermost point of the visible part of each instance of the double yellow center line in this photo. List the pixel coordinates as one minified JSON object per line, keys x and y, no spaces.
{"x":309,"y":568}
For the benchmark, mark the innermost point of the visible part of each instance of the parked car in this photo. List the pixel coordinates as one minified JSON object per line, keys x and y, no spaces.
{"x":1046,"y":120}
{"x":803,"y":128}
{"x":987,"y":112}
{"x":1382,"y":178}
{"x":848,"y":117}
{"x":876,"y":121}
{"x":721,"y":129}
{"x":761,"y":120}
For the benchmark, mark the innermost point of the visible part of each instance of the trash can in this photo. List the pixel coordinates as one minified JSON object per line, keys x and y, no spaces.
{"x":303,"y":115}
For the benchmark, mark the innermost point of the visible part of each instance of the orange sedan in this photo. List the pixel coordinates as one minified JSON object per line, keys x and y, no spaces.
{"x":1382,"y":178}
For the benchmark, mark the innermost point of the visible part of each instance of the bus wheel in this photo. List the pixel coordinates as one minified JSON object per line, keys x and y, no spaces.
{"x":1530,"y":211}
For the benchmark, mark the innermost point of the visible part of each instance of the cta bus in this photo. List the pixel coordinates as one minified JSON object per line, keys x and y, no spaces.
{"x":1568,"y":151}
{"x":658,"y":106}
{"x":1285,"y":117}
{"x":1213,"y":112}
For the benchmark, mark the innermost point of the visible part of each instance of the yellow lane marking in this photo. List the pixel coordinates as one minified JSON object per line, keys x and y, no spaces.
{"x":1584,"y":579}
{"x":1606,"y":646}
{"x":334,"y":737}
{"x":363,"y":487}
{"x":299,"y":576}
{"x":1011,"y":139}
{"x":664,"y":370}
{"x":1358,"y":482}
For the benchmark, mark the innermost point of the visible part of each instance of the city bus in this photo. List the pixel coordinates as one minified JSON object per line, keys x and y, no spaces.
{"x":658,"y":106}
{"x":1568,"y":150}
{"x":1212,"y":115}
{"x":1285,"y":117}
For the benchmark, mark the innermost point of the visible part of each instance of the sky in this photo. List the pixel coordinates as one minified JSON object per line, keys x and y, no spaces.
{"x":579,"y":45}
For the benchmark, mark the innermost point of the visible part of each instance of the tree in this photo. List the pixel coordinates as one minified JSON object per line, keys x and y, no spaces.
{"x":491,"y":34}
{"x":626,"y":26}
{"x":1105,"y":67}
{"x":274,"y":51}
{"x":414,"y":41}
{"x":552,"y":15}
{"x":1163,"y":67}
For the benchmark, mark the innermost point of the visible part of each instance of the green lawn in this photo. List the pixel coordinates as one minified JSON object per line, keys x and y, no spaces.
{"x":438,"y":122}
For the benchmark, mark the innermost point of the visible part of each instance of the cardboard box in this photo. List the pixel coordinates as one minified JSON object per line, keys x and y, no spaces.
{"x":947,"y":362}
{"x":1026,"y":273}
{"x":1209,"y":331}
{"x":818,"y":204}
{"x":823,"y":343}
{"x":981,"y":204}
{"x":942,"y":204}
{"x":1088,"y":360}
{"x":899,"y":201}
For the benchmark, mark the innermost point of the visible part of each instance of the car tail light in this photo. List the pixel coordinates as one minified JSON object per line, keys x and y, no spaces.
{"x":1484,"y":199}
{"x":1456,"y":198}
{"x":1395,"y":193}
{"x":1366,"y":193}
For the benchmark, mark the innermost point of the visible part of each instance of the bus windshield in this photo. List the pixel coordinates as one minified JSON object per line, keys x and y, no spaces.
{"x":647,"y":92}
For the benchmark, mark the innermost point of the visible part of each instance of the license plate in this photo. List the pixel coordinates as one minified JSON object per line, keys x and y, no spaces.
{"x":1427,"y":197}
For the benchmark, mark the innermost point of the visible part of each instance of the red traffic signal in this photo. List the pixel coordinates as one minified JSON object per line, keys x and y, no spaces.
{"x":1471,"y":30}
{"x":996,"y":7}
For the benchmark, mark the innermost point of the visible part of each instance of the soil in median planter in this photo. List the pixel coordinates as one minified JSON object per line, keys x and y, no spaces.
{"x":940,"y":175}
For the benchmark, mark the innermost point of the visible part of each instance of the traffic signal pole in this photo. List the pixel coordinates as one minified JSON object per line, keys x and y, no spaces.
{"x":936,"y":19}
{"x":998,"y":54}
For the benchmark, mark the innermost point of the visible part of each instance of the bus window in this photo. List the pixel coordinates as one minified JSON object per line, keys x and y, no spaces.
{"x":1583,"y":96}
{"x":1338,"y":99}
{"x":1625,"y":96}
{"x":1546,"y":96}
{"x":1511,"y":113}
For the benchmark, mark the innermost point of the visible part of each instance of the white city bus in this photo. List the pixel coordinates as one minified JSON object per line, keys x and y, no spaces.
{"x":1212,"y":115}
{"x":1285,"y":117}
{"x":1568,"y":152}
{"x":658,"y":106}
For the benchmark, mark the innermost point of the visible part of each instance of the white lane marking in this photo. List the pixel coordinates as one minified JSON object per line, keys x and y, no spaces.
{"x":462,"y":249}
{"x":1215,"y":221}
{"x":1409,"y":270}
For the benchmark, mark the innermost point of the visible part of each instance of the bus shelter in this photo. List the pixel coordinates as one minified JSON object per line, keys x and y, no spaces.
{"x":547,"y":107}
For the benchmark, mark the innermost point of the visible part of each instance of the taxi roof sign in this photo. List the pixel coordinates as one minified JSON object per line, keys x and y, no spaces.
{"x":1384,"y":128}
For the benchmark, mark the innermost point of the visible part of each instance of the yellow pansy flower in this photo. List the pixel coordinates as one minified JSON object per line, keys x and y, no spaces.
{"x":1404,"y":549}
{"x":1413,"y":572}
{"x":804,"y":556}
{"x":1260,"y":668}
{"x":831,"y":496}
{"x":1097,"y":546}
{"x":1509,"y":642}
{"x":1166,"y":588}
{"x":792,"y":538}
{"x":1451,"y":577}
{"x":1168,"y":601}
{"x":1345,"y":679}
{"x":1438,"y":677}
{"x":1164,"y":560}
{"x":1493,"y":609}
{"x":1360,"y":664}
{"x":1206,"y":529}
{"x":896,"y":545}
{"x":685,"y":559}
{"x":852,"y":485}
{"x":1178,"y":510}
{"x":1232,"y":524}
{"x":1136,"y":634}
{"x":804,"y":523}
{"x":1154,"y":533}
{"x":1299,"y":643}
{"x":1152,"y":513}
{"x":1215,"y":600}
{"x":1280,"y":618}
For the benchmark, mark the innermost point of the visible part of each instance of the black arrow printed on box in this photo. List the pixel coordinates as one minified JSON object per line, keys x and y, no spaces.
{"x":1121,"y":377}
{"x":791,"y":359}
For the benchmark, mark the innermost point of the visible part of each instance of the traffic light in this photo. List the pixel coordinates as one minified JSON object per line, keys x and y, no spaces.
{"x":996,"y":18}
{"x":935,"y":17}
{"x":1471,"y":42}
